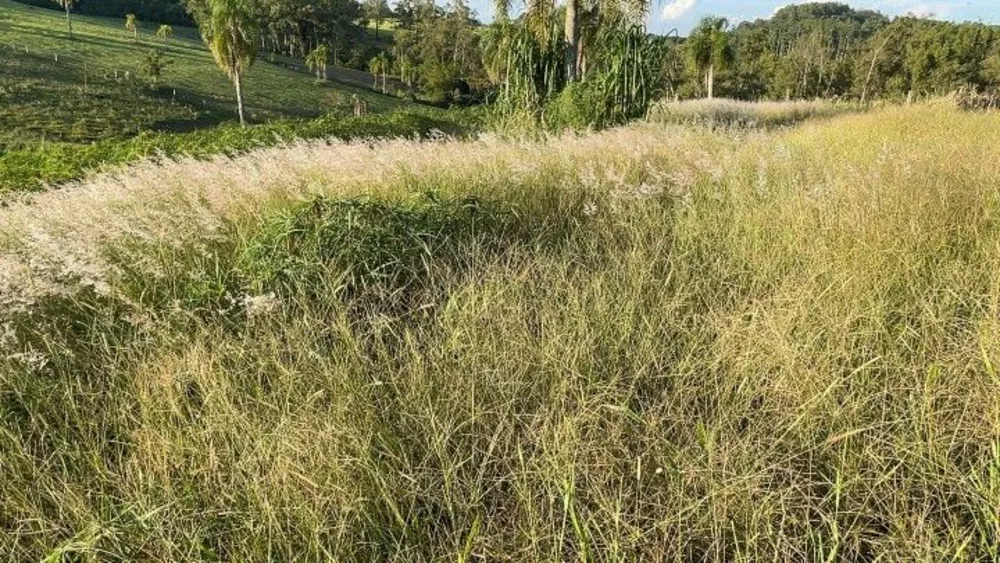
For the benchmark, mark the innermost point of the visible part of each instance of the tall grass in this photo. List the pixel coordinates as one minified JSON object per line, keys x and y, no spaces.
{"x":36,"y":168}
{"x":652,"y":343}
{"x":738,"y":114}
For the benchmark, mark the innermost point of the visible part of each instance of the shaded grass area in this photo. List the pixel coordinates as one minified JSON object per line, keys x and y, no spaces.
{"x":645,"y":344}
{"x":92,"y":86}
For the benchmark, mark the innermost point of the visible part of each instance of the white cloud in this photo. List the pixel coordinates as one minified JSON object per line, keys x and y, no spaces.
{"x":939,"y":9}
{"x":677,"y":8}
{"x":930,"y":9}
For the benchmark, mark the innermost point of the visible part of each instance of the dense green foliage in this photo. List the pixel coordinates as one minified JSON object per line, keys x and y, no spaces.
{"x":380,"y":248}
{"x":816,"y":50}
{"x":438,"y":50}
{"x":162,"y":11}
{"x":297,"y":27}
{"x":830,"y":50}
{"x":613,"y":80}
{"x":32,"y":168}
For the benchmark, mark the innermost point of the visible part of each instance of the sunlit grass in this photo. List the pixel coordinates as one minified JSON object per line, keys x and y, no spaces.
{"x":651,"y":343}
{"x":741,"y":115}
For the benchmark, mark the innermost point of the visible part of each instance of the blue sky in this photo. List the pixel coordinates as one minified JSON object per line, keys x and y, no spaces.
{"x":683,"y":14}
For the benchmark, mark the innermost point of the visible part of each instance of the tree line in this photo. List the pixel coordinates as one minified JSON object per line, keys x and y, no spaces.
{"x":828,"y":50}
{"x":592,"y":62}
{"x":169,"y":12}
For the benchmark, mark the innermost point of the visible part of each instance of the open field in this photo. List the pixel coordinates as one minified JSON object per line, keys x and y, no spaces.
{"x":93,"y":86}
{"x":650,"y":343}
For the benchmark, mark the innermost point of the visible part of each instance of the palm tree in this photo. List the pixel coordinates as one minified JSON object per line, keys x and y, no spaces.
{"x":535,"y":58}
{"x":164,"y":32}
{"x":67,"y":5}
{"x":230,"y":29}
{"x":709,"y":49}
{"x":577,"y":13}
{"x":407,"y":70}
{"x":132,"y":26}
{"x":317,"y":61}
{"x":379,"y":64}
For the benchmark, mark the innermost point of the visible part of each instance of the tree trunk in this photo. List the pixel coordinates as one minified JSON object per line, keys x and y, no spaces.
{"x":69,"y":22}
{"x":571,"y":41}
{"x":871,"y":69}
{"x":376,"y":30}
{"x":711,"y":81}
{"x":238,"y":81}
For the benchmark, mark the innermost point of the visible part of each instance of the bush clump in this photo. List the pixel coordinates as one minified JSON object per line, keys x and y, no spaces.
{"x":370,"y":247}
{"x":578,"y":106}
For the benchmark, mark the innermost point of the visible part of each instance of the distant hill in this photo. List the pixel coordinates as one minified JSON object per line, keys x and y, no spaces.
{"x":95,"y":84}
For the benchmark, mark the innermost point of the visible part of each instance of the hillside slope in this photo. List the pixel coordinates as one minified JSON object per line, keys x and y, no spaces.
{"x":93,"y":85}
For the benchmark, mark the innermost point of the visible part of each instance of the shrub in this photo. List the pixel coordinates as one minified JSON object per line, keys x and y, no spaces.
{"x":578,"y":106}
{"x":381,"y":249}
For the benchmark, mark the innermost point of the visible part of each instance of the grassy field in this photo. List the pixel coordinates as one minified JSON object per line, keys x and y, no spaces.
{"x":736,"y":114}
{"x":651,"y":343}
{"x":92,"y":86}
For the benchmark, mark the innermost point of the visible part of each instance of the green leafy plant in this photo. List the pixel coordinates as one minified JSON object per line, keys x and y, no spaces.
{"x":379,"y":65}
{"x":164,"y":32}
{"x":154,"y":64}
{"x":317,"y":61}
{"x":132,"y":26}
